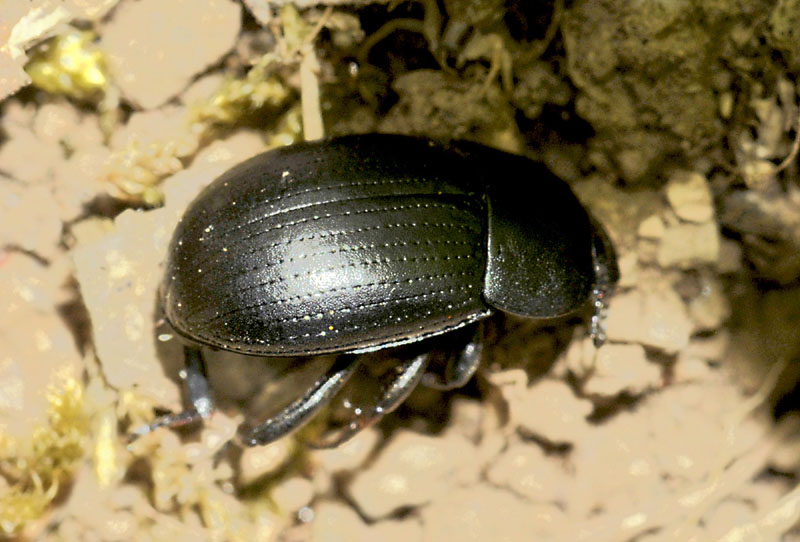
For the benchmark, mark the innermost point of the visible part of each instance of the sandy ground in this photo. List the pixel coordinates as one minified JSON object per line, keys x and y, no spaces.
{"x":682,"y":427}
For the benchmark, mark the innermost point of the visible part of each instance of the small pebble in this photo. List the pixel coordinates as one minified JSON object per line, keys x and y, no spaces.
{"x":292,"y":494}
{"x":349,"y":455}
{"x":654,"y":316}
{"x":710,"y":309}
{"x":651,"y":227}
{"x":689,"y":196}
{"x":258,"y":461}
{"x":688,"y":245}
{"x":622,"y":368}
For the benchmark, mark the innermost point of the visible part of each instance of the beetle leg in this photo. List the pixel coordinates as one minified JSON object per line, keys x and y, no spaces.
{"x":392,"y":396}
{"x":194,"y":376}
{"x":606,"y":276}
{"x":303,"y":409}
{"x":460,"y":368}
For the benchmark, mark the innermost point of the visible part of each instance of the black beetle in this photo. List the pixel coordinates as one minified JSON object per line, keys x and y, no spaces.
{"x":371,"y":241}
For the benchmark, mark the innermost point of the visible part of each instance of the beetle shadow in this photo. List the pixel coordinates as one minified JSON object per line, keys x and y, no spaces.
{"x":509,"y":342}
{"x":254,"y":386}
{"x":513,"y":342}
{"x":376,"y":370}
{"x":259,"y":387}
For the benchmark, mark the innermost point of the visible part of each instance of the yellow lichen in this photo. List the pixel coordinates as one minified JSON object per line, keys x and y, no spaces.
{"x":70,"y":65}
{"x":35,"y":469}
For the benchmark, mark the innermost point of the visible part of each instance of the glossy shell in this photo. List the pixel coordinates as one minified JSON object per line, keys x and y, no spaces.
{"x":365,"y":242}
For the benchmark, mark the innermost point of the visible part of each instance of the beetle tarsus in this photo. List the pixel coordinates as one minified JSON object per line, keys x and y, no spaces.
{"x":170,"y":420}
{"x":460,"y":368}
{"x":392,"y":396}
{"x":194,"y":376}
{"x":300,"y":411}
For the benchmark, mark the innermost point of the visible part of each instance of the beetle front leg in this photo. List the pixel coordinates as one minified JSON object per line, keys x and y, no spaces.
{"x":194,"y":376}
{"x":300,"y":411}
{"x":392,"y":395}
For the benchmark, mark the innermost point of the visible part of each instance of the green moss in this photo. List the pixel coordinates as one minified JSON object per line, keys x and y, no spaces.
{"x":36,"y":470}
{"x":537,"y":85}
{"x":654,"y":68}
{"x":482,"y":13}
{"x":239,"y":98}
{"x":784,"y":30}
{"x":443,"y":106}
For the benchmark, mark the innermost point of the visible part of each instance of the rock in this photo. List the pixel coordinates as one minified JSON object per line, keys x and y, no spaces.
{"x":548,"y":409}
{"x":689,"y":196}
{"x":651,"y":227}
{"x":29,"y":219}
{"x":54,"y":121}
{"x":466,"y":418}
{"x":689,"y":368}
{"x":292,"y":494}
{"x":622,"y":368}
{"x":654,"y":316}
{"x":628,"y":270}
{"x":155,"y":47}
{"x":335,"y":522}
{"x":711,"y":348}
{"x":257,"y":461}
{"x":38,"y":349}
{"x":77,"y":181}
{"x":710,"y":309}
{"x":527,"y":471}
{"x":689,"y":245}
{"x":119,"y":276}
{"x":412,"y":470}
{"x":349,"y":455}
{"x":28,"y":159}
{"x":486,"y":513}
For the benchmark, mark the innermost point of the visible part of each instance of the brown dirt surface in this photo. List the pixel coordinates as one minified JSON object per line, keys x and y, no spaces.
{"x":676,"y":123}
